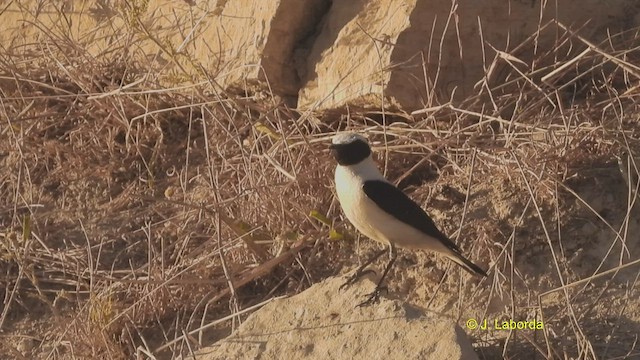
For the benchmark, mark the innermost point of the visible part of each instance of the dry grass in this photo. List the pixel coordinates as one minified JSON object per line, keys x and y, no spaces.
{"x":132,"y":214}
{"x":131,"y":211}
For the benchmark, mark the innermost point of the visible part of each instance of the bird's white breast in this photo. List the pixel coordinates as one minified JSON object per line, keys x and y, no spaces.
{"x":370,"y":219}
{"x":361,"y":211}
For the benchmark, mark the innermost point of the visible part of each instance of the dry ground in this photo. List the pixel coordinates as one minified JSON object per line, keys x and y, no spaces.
{"x":133,"y":213}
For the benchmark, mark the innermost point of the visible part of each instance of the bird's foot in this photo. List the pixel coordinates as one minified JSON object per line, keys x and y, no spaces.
{"x":355,"y":277}
{"x":374,"y":297}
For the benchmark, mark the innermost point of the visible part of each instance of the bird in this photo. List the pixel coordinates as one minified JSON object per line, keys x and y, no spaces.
{"x":382,"y":212}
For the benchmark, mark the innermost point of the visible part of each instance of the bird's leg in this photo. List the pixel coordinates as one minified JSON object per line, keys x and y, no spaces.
{"x":360,"y":272}
{"x":375,"y":295}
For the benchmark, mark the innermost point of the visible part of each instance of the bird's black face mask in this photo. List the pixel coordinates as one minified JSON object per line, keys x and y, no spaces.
{"x":351,"y":153}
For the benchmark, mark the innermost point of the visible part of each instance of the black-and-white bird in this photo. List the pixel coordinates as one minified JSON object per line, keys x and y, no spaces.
{"x":382,"y":212}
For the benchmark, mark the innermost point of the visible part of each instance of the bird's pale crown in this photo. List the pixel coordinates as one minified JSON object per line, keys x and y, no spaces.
{"x":347,"y":138}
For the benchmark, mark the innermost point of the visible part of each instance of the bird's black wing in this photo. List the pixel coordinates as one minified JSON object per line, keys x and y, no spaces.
{"x":394,"y":202}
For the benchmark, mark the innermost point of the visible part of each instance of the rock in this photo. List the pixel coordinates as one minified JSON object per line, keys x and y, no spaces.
{"x":238,"y":42}
{"x":324,"y":323}
{"x":329,"y":54}
{"x":415,"y":51}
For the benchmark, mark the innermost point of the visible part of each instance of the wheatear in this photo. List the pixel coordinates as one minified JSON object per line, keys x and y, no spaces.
{"x":382,"y":212}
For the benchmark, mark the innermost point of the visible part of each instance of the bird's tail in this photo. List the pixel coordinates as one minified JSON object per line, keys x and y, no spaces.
{"x":470,"y":267}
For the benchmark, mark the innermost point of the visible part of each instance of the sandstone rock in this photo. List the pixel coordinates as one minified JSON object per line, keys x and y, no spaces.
{"x":366,"y":54}
{"x":236,"y":42}
{"x":412,"y":52}
{"x":324,"y":323}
